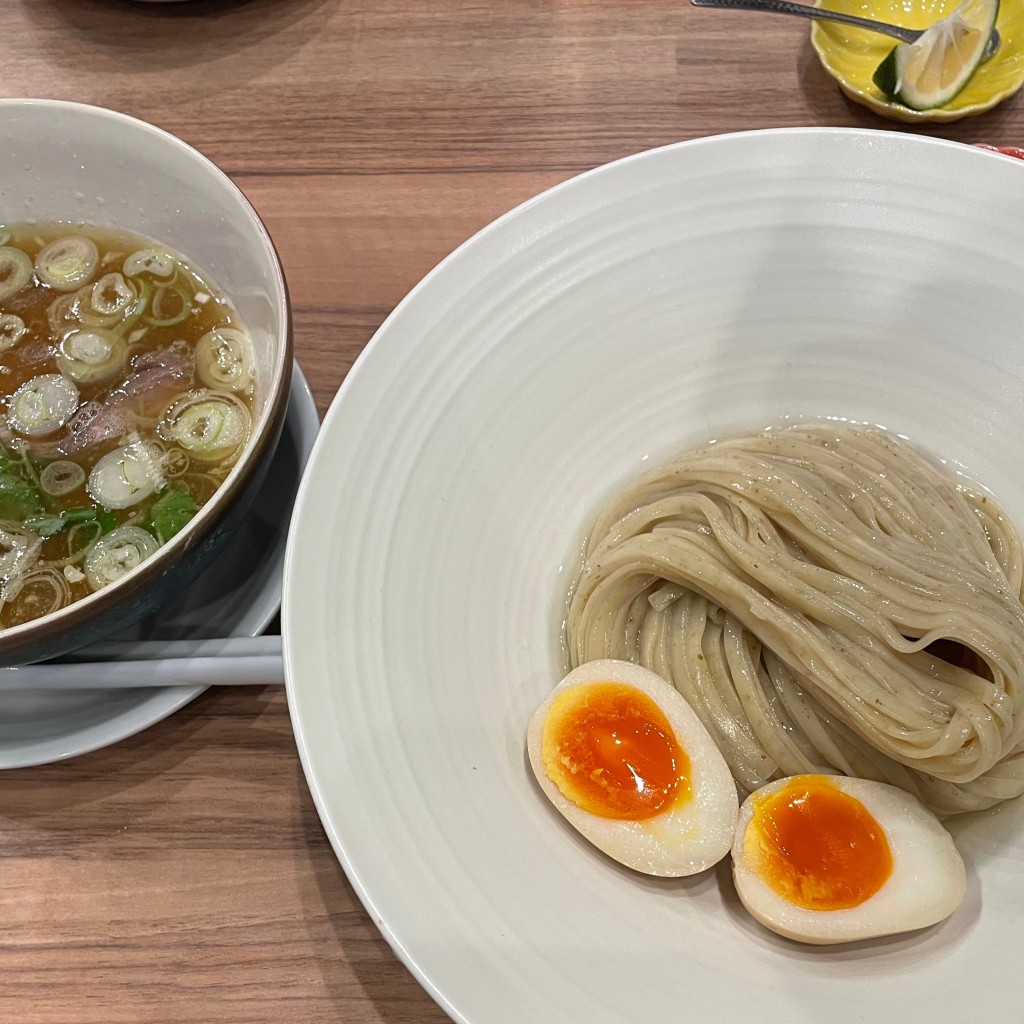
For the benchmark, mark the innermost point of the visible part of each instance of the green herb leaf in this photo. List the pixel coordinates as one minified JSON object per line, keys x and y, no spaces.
{"x":18,"y":499}
{"x":107,"y":521}
{"x":45,"y":526}
{"x":170,"y":512}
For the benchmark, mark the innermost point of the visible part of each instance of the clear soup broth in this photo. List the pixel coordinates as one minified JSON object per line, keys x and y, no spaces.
{"x":126,"y":384}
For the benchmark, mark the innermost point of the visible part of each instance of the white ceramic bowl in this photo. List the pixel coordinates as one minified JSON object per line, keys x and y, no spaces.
{"x":70,"y":162}
{"x":685,"y":293}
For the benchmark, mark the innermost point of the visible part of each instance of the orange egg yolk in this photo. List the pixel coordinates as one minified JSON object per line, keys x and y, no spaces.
{"x":610,"y":750}
{"x":818,"y":847}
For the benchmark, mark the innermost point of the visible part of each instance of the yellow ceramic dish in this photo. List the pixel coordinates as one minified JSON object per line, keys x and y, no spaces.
{"x":851,"y":55}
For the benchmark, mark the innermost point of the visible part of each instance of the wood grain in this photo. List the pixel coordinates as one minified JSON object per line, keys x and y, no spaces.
{"x":182,"y":875}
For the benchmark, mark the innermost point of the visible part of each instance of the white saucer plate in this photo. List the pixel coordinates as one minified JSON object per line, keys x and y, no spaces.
{"x":232,"y":598}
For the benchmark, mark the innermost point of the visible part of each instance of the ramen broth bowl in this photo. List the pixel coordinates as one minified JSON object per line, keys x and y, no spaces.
{"x":67,"y":162}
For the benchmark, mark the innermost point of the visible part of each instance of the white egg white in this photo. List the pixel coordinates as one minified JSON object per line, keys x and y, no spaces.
{"x":928,"y":880}
{"x":689,"y":836}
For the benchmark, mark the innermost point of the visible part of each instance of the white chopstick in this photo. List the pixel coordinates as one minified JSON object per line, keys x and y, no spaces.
{"x":231,"y":661}
{"x":145,"y":650}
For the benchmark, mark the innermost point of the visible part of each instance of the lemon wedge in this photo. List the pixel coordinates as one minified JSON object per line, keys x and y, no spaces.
{"x":928,"y":73}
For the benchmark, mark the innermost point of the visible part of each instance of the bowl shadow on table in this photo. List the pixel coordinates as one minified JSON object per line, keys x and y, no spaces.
{"x":122,"y":35}
{"x":831,"y":106}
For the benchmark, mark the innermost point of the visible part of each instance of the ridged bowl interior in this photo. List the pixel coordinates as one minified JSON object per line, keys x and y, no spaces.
{"x":683,"y":294}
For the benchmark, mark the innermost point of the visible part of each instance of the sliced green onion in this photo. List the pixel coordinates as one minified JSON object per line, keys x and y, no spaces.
{"x":67,"y":263}
{"x":149,"y":261}
{"x":225,"y":359}
{"x":159,"y":317}
{"x":82,"y":536}
{"x":84,"y":514}
{"x":126,"y":476}
{"x":175,"y":462}
{"x":209,"y":425}
{"x":84,"y":311}
{"x":5,"y":236}
{"x":35,"y":594}
{"x":61,"y":477}
{"x":19,"y":549}
{"x":42,"y":405}
{"x":136,"y":310}
{"x":63,"y":314}
{"x":12,"y":330}
{"x":117,"y":553}
{"x":92,"y":355}
{"x":15,"y":271}
{"x":112,"y":296}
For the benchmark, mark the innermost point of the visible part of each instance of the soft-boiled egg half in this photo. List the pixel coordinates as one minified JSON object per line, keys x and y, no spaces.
{"x":825,"y":859}
{"x":623,"y":756}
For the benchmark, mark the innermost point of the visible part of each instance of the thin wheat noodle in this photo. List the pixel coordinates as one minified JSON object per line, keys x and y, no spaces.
{"x":828,"y":599}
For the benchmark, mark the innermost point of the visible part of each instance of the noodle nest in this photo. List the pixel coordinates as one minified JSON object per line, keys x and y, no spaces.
{"x":828,"y":599}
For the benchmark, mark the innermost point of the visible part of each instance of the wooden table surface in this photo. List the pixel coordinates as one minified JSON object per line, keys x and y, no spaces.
{"x":182,"y":875}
